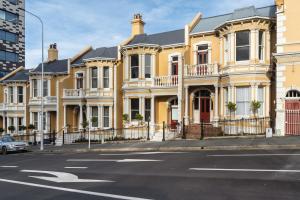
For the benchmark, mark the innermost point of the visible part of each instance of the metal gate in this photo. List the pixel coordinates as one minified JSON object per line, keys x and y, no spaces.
{"x":292,"y":117}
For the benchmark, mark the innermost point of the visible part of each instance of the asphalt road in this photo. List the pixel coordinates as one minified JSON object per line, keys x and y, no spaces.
{"x":231,"y":175}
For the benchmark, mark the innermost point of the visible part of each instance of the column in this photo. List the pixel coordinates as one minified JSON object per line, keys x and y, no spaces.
{"x":221,"y":50}
{"x":253,"y":45}
{"x":100,"y":114}
{"x":3,"y":122}
{"x":267,"y":44}
{"x":267,"y":100}
{"x":80,"y":116}
{"x":100,"y":77}
{"x":142,"y":107}
{"x":110,"y":116}
{"x":222,"y":101}
{"x":216,"y":106}
{"x":180,"y":87}
{"x":65,"y":117}
{"x":152,"y":127}
{"x":140,"y":66}
{"x":231,"y":47}
{"x":126,"y":63}
{"x":186,"y":115}
{"x":115,"y":107}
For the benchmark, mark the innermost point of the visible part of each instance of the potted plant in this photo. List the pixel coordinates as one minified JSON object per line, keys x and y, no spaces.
{"x":125,"y":118}
{"x":139,"y":117}
{"x":11,"y":129}
{"x":232,"y":108}
{"x":22,"y":128}
{"x":31,"y":127}
{"x":1,"y":131}
{"x":255,"y":106}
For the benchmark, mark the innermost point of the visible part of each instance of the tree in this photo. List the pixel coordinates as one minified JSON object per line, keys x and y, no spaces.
{"x":232,"y":108}
{"x":11,"y":129}
{"x":255,"y":106}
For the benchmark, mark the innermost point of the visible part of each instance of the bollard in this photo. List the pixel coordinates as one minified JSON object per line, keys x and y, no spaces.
{"x":63,"y":139}
{"x":163,"y":139}
{"x":148,"y":130}
{"x":202,"y":130}
{"x":183,"y":129}
{"x":34,"y":139}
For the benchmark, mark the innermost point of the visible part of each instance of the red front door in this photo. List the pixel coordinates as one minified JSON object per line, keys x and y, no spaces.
{"x":205,"y":109}
{"x":292,"y":117}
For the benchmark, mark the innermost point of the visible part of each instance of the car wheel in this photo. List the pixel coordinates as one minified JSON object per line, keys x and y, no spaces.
{"x":4,"y":150}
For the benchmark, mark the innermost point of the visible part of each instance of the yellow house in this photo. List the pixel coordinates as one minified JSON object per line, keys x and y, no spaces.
{"x":288,"y":68}
{"x":187,"y":76}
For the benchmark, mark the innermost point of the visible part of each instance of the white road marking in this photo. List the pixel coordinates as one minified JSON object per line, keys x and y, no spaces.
{"x":253,"y":155}
{"x":139,"y":153}
{"x":9,"y":166}
{"x":75,"y":167}
{"x":113,"y":160}
{"x":247,"y":170}
{"x":99,"y":194}
{"x":62,"y":177}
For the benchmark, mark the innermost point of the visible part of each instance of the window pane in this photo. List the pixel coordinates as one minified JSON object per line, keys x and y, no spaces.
{"x":11,"y":37}
{"x":147,"y":66}
{"x":105,"y":116}
{"x":94,"y":77}
{"x":20,"y":94}
{"x":242,"y":53}
{"x":2,"y":14}
{"x":45,"y":88}
{"x":134,"y":72}
{"x":242,"y":38}
{"x":202,"y":47}
{"x":147,"y":109}
{"x":13,"y":57}
{"x":134,"y":108}
{"x":134,"y":60}
{"x":11,"y":17}
{"x":2,"y":35}
{"x":94,"y":116}
{"x":106,"y":77}
{"x":2,"y":55}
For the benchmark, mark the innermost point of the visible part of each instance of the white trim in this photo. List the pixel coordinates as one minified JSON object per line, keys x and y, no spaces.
{"x":209,"y":50}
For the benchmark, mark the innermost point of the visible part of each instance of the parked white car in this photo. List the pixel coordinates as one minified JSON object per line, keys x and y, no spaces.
{"x":9,"y":144}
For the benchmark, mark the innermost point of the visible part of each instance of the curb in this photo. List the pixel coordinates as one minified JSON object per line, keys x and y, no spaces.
{"x":200,"y":148}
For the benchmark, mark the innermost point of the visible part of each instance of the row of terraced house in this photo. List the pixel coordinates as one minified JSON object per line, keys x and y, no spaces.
{"x":188,"y":75}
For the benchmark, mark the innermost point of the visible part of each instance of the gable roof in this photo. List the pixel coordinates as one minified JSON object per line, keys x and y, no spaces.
{"x":56,"y":66}
{"x":164,"y":38}
{"x":102,"y":52}
{"x":211,"y":23}
{"x":20,"y":76}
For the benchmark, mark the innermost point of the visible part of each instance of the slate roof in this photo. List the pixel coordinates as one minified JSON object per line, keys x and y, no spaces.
{"x":211,"y":23}
{"x":20,"y":76}
{"x":57,"y":66}
{"x":165,"y":38}
{"x":102,"y":52}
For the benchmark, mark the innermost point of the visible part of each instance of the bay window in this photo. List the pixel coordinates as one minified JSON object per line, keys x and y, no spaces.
{"x":243,"y":99}
{"x":260,"y":99}
{"x":135,"y":104}
{"x":20,"y":94}
{"x":11,"y":94}
{"x":35,"y":120}
{"x":105,"y":116}
{"x":45,"y":88}
{"x":94,"y":73}
{"x":242,"y":45}
{"x":261,"y":45}
{"x":105,"y":77}
{"x":34,"y":88}
{"x":94,"y":116}
{"x":147,"y":66}
{"x":134,"y":66}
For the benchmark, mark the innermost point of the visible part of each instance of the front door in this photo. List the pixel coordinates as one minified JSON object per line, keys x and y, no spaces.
{"x":292,"y":117}
{"x":205,"y":109}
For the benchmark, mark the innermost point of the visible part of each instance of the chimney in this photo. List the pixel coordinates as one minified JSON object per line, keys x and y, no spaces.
{"x":137,"y":25}
{"x":52,"y":52}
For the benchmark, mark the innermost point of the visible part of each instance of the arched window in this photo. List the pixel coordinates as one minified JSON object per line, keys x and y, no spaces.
{"x":293,"y":94}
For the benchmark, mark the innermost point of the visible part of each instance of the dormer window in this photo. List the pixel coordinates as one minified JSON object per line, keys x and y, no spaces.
{"x":202,"y":54}
{"x":134,"y":66}
{"x":243,"y":46}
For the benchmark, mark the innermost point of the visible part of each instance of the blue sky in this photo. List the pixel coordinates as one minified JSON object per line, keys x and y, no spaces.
{"x":75,"y":24}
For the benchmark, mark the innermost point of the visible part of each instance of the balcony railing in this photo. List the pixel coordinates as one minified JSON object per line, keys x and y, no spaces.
{"x":201,"y":70}
{"x":11,"y":107}
{"x":165,"y":81}
{"x":73,"y":93}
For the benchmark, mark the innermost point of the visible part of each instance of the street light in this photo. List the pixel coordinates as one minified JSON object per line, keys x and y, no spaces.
{"x":42,"y":80}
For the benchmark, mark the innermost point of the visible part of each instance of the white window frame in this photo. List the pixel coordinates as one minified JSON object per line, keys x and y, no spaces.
{"x":246,"y":109}
{"x":106,"y":78}
{"x":261,"y":100}
{"x":11,"y":94}
{"x":18,"y":94}
{"x":94,"y":78}
{"x":106,"y":117}
{"x":149,"y":66}
{"x":195,"y":51}
{"x":96,"y":116}
{"x":131,"y":67}
{"x":262,"y":45}
{"x":235,"y":49}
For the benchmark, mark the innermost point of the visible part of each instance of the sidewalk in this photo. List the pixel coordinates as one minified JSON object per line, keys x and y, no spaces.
{"x":182,"y":145}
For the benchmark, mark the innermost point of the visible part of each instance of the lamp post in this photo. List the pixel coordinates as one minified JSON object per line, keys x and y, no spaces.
{"x":42,"y":81}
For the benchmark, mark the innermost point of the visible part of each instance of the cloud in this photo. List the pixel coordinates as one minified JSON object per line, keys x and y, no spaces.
{"x":75,"y":24}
